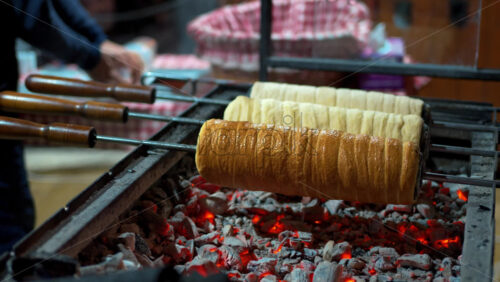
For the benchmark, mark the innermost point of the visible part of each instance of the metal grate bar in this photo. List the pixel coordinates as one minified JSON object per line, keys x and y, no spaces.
{"x":462,"y":150}
{"x":460,"y":179}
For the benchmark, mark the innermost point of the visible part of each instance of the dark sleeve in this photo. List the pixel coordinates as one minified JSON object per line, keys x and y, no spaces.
{"x":64,"y":30}
{"x":73,"y":14}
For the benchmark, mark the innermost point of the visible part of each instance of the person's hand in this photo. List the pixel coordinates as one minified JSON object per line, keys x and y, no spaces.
{"x":117,"y":64}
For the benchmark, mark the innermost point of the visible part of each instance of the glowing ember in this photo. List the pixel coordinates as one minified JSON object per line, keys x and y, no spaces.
{"x":422,"y":241}
{"x":463,"y":195}
{"x":264,"y":275}
{"x":445,"y":243}
{"x":265,"y":235}
{"x":246,"y":256}
{"x":200,"y":269}
{"x":165,"y":229}
{"x":277,"y":227}
{"x":210,"y":188}
{"x":346,"y":256}
{"x":445,"y":191}
{"x":208,"y":216}
{"x":278,"y":249}
{"x":256,"y":219}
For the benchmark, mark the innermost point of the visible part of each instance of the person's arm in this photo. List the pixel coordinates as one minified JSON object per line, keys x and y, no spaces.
{"x":40,"y":25}
{"x":78,"y":19}
{"x":77,"y":41}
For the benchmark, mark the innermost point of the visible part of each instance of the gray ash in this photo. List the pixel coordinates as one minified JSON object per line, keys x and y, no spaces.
{"x":261,"y":236}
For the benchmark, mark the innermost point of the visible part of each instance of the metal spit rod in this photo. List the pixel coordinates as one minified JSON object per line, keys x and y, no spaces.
{"x":127,"y":141}
{"x":31,"y":103}
{"x":121,"y":92}
{"x":18,"y":129}
{"x":39,"y":104}
{"x":79,"y":135}
{"x":146,"y":94}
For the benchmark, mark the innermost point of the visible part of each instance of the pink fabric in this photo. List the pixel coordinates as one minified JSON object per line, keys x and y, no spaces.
{"x":229,"y":37}
{"x":169,"y":61}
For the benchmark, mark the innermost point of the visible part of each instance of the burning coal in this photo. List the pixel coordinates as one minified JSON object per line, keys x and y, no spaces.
{"x":252,"y":236}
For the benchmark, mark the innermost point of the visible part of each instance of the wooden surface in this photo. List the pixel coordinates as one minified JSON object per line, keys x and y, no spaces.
{"x":57,"y":175}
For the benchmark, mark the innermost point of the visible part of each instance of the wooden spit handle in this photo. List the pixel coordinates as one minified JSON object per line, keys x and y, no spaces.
{"x":29,"y":103}
{"x":19,"y":129}
{"x":75,"y":87}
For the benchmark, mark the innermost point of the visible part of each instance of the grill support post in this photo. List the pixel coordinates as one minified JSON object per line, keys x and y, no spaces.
{"x":477,"y":252}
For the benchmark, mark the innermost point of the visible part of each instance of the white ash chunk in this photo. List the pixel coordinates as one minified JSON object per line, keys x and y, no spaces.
{"x":384,"y":251}
{"x":215,"y":203}
{"x":269,"y":278}
{"x":334,"y":251}
{"x":227,"y":230}
{"x":396,"y":208}
{"x":446,"y":266}
{"x":327,"y":272}
{"x":426,"y":210}
{"x":264,"y":265}
{"x":299,"y":275}
{"x":251,"y":277}
{"x":333,"y":206}
{"x":184,"y":225}
{"x":128,"y":239}
{"x":129,"y":255}
{"x":328,"y":250}
{"x":180,"y":268}
{"x":110,"y":264}
{"x":198,"y":263}
{"x":206,"y":238}
{"x":384,"y":264}
{"x":356,"y":263}
{"x":231,"y":258}
{"x":234,"y":242}
{"x":421,"y":261}
{"x":209,"y":252}
{"x":307,"y":265}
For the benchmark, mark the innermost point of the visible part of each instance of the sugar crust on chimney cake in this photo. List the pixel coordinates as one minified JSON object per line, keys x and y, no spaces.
{"x":338,"y":97}
{"x":301,"y":114}
{"x":307,"y":162}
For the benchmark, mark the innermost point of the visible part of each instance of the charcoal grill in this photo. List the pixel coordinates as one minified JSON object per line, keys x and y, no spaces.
{"x":73,"y":227}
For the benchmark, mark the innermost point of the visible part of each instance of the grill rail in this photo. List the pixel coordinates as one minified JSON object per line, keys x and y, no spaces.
{"x":91,"y":212}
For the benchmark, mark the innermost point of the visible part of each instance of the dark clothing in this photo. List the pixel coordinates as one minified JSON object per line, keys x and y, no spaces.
{"x":61,"y":28}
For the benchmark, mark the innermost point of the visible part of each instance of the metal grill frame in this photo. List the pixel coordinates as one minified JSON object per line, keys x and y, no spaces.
{"x":479,"y":237}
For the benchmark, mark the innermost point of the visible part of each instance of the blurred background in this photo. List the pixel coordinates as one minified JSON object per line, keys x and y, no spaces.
{"x":172,"y":37}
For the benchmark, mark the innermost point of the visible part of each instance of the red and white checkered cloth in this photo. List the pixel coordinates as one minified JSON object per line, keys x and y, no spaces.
{"x":229,"y":37}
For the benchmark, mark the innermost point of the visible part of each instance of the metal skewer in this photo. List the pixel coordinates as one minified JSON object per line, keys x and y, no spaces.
{"x":18,"y":129}
{"x":460,"y":179}
{"x":146,"y":94}
{"x":30,"y":103}
{"x":79,"y":135}
{"x":128,"y":141}
{"x":121,"y":92}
